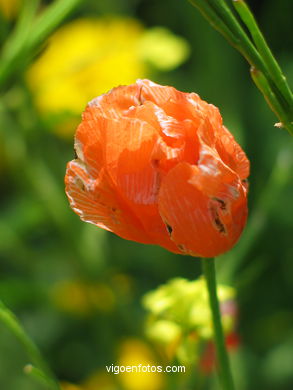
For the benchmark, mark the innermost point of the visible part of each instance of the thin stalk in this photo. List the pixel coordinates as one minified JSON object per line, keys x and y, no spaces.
{"x":257,"y":54}
{"x":264,"y":50}
{"x":51,"y":18}
{"x":221,"y":18}
{"x":9,"y":319}
{"x":214,"y":20}
{"x":244,"y":44}
{"x":13,"y":48}
{"x":21,"y":30}
{"x":267,"y":73}
{"x":208,"y":266}
{"x":34,"y":30}
{"x":263,"y":85}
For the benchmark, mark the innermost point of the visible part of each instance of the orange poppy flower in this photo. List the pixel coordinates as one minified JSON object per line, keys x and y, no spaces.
{"x":157,"y":166}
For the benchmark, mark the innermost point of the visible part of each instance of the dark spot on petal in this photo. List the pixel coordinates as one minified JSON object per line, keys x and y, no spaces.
{"x":221,"y":203}
{"x":220,"y":225}
{"x":113,"y":209}
{"x":217,"y":221}
{"x":169,"y":228}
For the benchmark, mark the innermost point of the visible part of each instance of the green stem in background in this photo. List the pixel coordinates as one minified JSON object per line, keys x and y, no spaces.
{"x":9,"y":319}
{"x":31,"y":31}
{"x":264,"y":50}
{"x":50,"y":19}
{"x":262,"y":84}
{"x":208,"y":266}
{"x":244,"y":44}
{"x":21,"y":31}
{"x":222,"y":19}
{"x":214,"y":20}
{"x":273,"y":84}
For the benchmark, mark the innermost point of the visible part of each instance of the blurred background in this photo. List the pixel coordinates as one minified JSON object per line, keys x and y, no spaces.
{"x":78,"y":290}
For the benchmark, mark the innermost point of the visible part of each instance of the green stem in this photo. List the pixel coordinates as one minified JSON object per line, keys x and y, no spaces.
{"x":30,"y":33}
{"x":50,"y":19}
{"x":12,"y":52}
{"x":9,"y":319}
{"x":264,"y":86}
{"x":266,"y":72}
{"x":244,"y":44}
{"x":208,"y":266}
{"x":214,"y":20}
{"x":264,"y":50}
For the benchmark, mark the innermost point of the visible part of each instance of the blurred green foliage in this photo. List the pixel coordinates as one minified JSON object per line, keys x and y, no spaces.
{"x":76,"y":289}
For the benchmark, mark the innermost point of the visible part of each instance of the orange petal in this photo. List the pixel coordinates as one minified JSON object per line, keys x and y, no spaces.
{"x":231,"y":153}
{"x":129,"y":146}
{"x":96,"y":202}
{"x":177,"y":140}
{"x":173,"y":102}
{"x":127,"y":157}
{"x":202,"y":223}
{"x":115,"y":103}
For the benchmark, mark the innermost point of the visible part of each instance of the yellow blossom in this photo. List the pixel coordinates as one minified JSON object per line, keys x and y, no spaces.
{"x":181,"y":307}
{"x":131,"y":352}
{"x":82,"y":59}
{"x":134,"y":352}
{"x":87,"y":57}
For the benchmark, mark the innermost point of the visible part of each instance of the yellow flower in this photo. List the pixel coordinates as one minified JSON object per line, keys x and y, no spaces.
{"x":164,"y":331}
{"x":134,"y":352}
{"x":87,"y":57}
{"x":181,"y":307}
{"x":82,"y":59}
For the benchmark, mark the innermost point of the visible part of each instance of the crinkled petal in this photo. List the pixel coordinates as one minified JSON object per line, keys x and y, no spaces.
{"x":205,"y":213}
{"x":129,"y":161}
{"x":96,"y":202}
{"x":232,"y":154}
{"x":173,"y":102}
{"x":115,"y":103}
{"x":177,"y":140}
